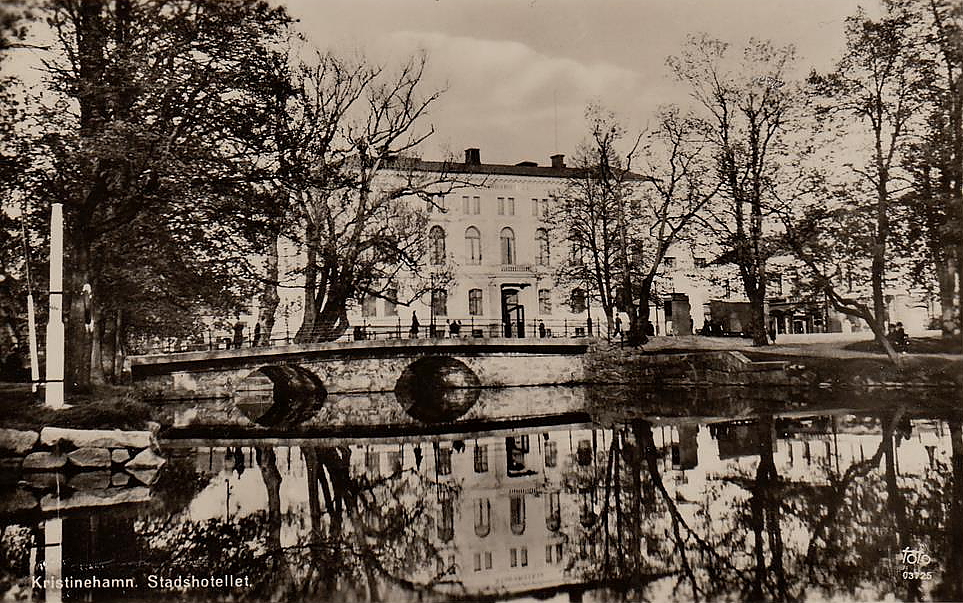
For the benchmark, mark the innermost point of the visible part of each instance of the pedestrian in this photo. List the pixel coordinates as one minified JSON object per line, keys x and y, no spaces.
{"x":415,"y":326}
{"x":617,"y":331}
{"x":451,"y":327}
{"x":902,"y":341}
{"x":456,"y":328}
{"x":541,"y":329}
{"x":238,"y":334}
{"x":257,"y":335}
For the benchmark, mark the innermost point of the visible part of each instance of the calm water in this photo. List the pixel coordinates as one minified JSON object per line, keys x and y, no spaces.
{"x":767,"y":504}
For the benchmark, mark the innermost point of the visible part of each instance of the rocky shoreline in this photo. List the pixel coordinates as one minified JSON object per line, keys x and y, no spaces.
{"x":58,"y":468}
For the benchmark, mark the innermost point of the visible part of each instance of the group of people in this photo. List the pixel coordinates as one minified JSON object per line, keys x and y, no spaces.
{"x":454,"y":327}
{"x":897,"y":337}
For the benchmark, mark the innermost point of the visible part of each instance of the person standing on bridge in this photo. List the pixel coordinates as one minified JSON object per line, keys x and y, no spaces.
{"x":415,"y":326}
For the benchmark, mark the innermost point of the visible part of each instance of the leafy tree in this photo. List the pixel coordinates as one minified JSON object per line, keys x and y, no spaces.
{"x":13,"y":275}
{"x":141,"y":145}
{"x":873,"y":96}
{"x":935,"y":159}
{"x":745,"y":110}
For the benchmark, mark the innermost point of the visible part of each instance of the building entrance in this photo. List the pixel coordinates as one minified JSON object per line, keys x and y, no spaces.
{"x":513,"y":314}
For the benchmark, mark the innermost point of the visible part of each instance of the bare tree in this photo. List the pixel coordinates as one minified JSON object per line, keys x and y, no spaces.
{"x":594,"y":214}
{"x":676,"y":193}
{"x":744,"y":112}
{"x":355,"y":199}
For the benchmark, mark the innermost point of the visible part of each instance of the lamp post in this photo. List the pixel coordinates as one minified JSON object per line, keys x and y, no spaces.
{"x":54,"y":390}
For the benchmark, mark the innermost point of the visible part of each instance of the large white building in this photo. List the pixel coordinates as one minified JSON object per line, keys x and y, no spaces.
{"x":492,"y":236}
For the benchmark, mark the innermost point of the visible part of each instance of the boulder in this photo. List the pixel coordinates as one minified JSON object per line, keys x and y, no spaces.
{"x":44,"y":461}
{"x":44,"y":481}
{"x":119,"y":455}
{"x":96,"y":498}
{"x":146,"y":459}
{"x":90,"y":457}
{"x":90,"y":480}
{"x":119,"y":479}
{"x":96,"y":438}
{"x":144,"y":476}
{"x":17,"y":501}
{"x":16,"y":442}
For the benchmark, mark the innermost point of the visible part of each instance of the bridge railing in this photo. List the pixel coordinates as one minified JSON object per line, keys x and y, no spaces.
{"x":443,"y":328}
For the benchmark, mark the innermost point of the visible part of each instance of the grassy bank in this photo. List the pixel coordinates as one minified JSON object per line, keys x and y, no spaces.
{"x":103,"y":408}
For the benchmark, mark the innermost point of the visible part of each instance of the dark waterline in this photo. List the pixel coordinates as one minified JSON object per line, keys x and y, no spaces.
{"x":656,"y":496}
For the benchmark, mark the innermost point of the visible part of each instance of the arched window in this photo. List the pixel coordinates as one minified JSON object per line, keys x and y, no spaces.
{"x":439,"y":302}
{"x":544,"y":301}
{"x":473,"y":245}
{"x":475,"y":302}
{"x":446,"y":520}
{"x":508,"y":246}
{"x":436,"y":245}
{"x":578,"y":301}
{"x":483,"y":517}
{"x":517,"y":511}
{"x":541,"y":246}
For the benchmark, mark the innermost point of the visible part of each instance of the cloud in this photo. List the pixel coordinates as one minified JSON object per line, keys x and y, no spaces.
{"x":504,"y":95}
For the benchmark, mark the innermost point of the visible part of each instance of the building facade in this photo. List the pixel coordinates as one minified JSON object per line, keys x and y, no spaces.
{"x":491,"y":243}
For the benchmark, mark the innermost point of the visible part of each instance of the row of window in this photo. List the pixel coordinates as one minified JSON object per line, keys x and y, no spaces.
{"x":439,"y":303}
{"x":518,"y":557}
{"x":473,"y":247}
{"x":471,"y":205}
{"x":483,"y":514}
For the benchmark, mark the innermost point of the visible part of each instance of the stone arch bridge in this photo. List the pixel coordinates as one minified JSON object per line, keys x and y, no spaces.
{"x":362,"y":366}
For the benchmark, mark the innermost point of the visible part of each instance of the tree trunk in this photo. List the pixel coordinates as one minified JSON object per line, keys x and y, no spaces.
{"x":951,"y":585}
{"x":96,"y":345}
{"x":269,"y":294}
{"x":120,"y":352}
{"x":946,"y":276}
{"x":757,"y":319}
{"x":306,"y":330}
{"x":108,"y":342}
{"x":332,"y":322}
{"x":959,"y":289}
{"x":638,"y":337}
{"x":78,"y":344}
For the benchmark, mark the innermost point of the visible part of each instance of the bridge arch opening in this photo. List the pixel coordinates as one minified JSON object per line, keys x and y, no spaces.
{"x":280,"y":396}
{"x":437,"y":389}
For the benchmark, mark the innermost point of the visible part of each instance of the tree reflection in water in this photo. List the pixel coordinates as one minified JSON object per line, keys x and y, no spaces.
{"x":759,"y":535}
{"x":366,"y":535}
{"x":734,"y":509}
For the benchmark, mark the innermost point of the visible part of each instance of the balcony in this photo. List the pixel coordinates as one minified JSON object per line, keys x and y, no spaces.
{"x":517,"y":268}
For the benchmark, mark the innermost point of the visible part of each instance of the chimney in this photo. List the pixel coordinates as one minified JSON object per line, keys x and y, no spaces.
{"x":558,"y":161}
{"x":472,"y":157}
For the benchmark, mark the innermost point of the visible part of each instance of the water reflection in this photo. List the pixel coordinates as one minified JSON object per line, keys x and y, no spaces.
{"x":784,"y":506}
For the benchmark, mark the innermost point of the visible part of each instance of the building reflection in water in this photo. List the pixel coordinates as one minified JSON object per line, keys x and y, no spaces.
{"x":772,"y":507}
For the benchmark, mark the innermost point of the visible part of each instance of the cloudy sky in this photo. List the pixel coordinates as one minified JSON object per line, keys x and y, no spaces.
{"x":519,"y":73}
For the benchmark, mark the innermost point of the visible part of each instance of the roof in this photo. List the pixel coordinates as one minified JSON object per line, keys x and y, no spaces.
{"x":525,"y":168}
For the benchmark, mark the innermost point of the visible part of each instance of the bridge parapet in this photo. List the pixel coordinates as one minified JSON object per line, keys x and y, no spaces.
{"x":367,"y":366}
